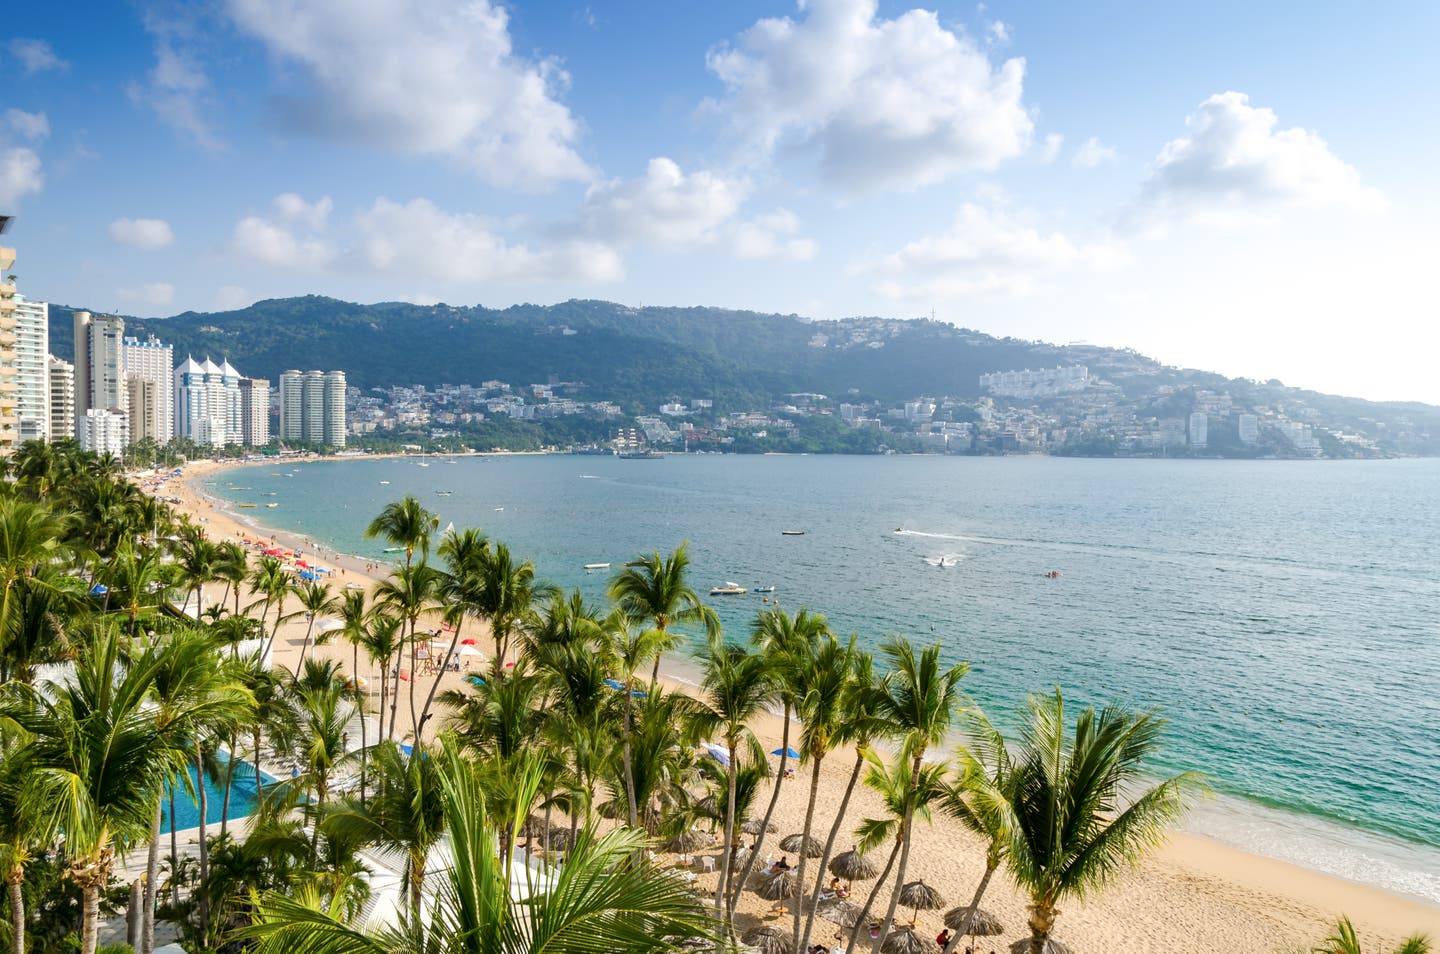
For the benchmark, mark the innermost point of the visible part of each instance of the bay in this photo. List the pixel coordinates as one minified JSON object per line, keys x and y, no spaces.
{"x":1281,"y":614}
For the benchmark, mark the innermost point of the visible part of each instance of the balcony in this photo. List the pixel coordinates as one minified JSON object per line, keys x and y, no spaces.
{"x":7,"y":289}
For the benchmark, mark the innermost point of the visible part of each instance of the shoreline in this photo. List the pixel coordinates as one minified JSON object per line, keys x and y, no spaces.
{"x":1290,"y":904}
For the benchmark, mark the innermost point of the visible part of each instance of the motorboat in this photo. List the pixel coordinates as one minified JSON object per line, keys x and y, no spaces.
{"x":272,"y":505}
{"x":792,"y":533}
{"x":729,"y":589}
{"x":764,"y":589}
{"x":596,"y":566}
{"x":443,"y":493}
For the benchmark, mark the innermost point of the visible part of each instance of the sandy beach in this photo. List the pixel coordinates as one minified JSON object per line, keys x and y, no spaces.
{"x":1191,"y":895}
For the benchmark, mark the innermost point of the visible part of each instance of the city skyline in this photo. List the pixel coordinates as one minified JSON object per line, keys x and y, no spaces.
{"x":1257,"y":206}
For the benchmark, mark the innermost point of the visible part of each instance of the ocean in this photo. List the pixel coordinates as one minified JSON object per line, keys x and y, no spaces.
{"x":1282,"y":614}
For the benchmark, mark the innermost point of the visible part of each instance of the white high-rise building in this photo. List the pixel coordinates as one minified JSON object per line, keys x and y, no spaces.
{"x":1247,"y":427}
{"x":150,"y":362}
{"x":254,"y":412}
{"x":9,"y":423}
{"x":99,"y":364}
{"x":104,"y":431}
{"x":32,"y":374}
{"x":62,"y":398}
{"x":312,"y":407}
{"x":1199,"y":429}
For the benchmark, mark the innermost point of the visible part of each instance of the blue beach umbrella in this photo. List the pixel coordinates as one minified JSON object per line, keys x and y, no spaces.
{"x":99,"y":589}
{"x":790,"y":752}
{"x":717,"y":752}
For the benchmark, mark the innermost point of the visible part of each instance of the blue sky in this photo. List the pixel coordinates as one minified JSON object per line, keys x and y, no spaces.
{"x":1233,"y":186}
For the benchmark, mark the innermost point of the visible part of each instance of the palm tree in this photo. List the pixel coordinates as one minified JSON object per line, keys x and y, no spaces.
{"x":737,"y":685}
{"x":624,"y":649}
{"x":231,"y":566}
{"x":508,"y":592}
{"x":138,"y":580}
{"x":907,"y":797}
{"x":321,"y":710}
{"x":602,"y":899}
{"x":383,"y":639}
{"x":822,"y":678}
{"x":1342,"y":940}
{"x":918,"y":698}
{"x":98,"y":764}
{"x":986,"y":773}
{"x":405,"y":814}
{"x":409,"y":592}
{"x":459,"y":591}
{"x":197,"y":560}
{"x":653,"y":589}
{"x":317,"y":599}
{"x":36,"y":622}
{"x":405,"y":524}
{"x":354,"y":617}
{"x":25,"y":833}
{"x":1082,"y":808}
{"x":271,"y":580}
{"x":30,"y":537}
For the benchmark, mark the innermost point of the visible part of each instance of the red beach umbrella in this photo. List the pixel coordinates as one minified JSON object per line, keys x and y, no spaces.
{"x":468,"y":641}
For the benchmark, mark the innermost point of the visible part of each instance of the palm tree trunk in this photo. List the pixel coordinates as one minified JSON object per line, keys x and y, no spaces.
{"x":229,"y":780}
{"x":361,"y":702}
{"x":1042,"y":922}
{"x":394,"y":700}
{"x":830,"y":844}
{"x":417,"y":884}
{"x":874,"y":893}
{"x":728,"y":851}
{"x":414,"y":678}
{"x":434,"y":686}
{"x":770,"y":811}
{"x":805,"y":853}
{"x":16,"y":881}
{"x":174,"y":850}
{"x":625,"y":756}
{"x":200,"y":788}
{"x":904,"y":851}
{"x":304,"y":645}
{"x":152,"y":874}
{"x":89,"y":915}
{"x":258,"y":785}
{"x":968,"y":921}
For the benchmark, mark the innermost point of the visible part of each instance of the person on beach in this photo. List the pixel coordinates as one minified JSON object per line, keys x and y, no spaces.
{"x":943,"y":938}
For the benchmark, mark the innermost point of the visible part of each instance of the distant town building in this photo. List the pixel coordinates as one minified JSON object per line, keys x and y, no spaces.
{"x":104,"y":431}
{"x":1199,"y":429}
{"x":254,"y":412}
{"x":32,"y":378}
{"x":150,"y":386}
{"x":9,"y":422}
{"x":62,"y":398}
{"x":1247,"y":427}
{"x":1043,"y":383}
{"x":312,"y":407}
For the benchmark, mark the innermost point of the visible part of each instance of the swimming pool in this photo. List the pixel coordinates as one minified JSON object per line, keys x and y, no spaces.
{"x":187,"y":809}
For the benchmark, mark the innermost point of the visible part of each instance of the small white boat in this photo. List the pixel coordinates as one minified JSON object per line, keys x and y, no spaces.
{"x":272,"y":505}
{"x":422,"y":464}
{"x":792,"y":533}
{"x":764,"y":589}
{"x":384,"y":483}
{"x":729,"y":589}
{"x":499,"y":509}
{"x":443,"y":493}
{"x":597,"y":566}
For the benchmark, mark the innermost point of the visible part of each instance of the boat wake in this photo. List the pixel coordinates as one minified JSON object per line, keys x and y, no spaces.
{"x":901,"y":531}
{"x":944,"y":559}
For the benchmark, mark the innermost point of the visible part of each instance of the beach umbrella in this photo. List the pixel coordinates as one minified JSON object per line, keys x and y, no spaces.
{"x":906,"y":941}
{"x":780,"y":886}
{"x":920,"y":896}
{"x":769,"y":939}
{"x":738,"y":857}
{"x":853,"y":866}
{"x":468,"y":651}
{"x":717,"y":752}
{"x":688,"y":841}
{"x":787,"y":751}
{"x":753,"y":826}
{"x":983,"y":924}
{"x":328,"y":625}
{"x":468,"y":641}
{"x":810,"y":847}
{"x":839,"y":911}
{"x":1052,"y":946}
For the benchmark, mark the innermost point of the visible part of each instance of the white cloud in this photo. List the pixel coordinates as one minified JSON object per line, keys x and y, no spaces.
{"x":35,"y":56}
{"x":418,"y":239}
{"x":1233,"y":163}
{"x":291,"y":238}
{"x":145,"y":234}
{"x":177,"y":90}
{"x":665,"y":205}
{"x":895,"y":103}
{"x":1093,"y":152}
{"x":1051,"y":150}
{"x":20,"y":174}
{"x":998,"y":32}
{"x":31,"y":126}
{"x":232,"y":298}
{"x":154,"y":294}
{"x":771,"y":237}
{"x":987,"y":252}
{"x":428,"y":77}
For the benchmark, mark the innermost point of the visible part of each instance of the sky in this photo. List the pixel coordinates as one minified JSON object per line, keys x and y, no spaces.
{"x":1239,"y":187}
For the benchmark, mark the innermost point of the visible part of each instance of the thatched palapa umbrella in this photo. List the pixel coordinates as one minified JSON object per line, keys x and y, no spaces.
{"x":812,"y":848}
{"x":687,"y":841}
{"x":983,"y":924}
{"x":906,"y":941}
{"x":781,"y":886}
{"x":768,"y":939}
{"x":839,"y":911}
{"x":753,"y":826}
{"x":738,"y":857}
{"x":919,"y":895}
{"x":853,"y":866}
{"x":1052,"y":946}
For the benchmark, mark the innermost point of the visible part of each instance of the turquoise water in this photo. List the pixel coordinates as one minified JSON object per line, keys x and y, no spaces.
{"x":187,"y":808}
{"x":1282,"y":613}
